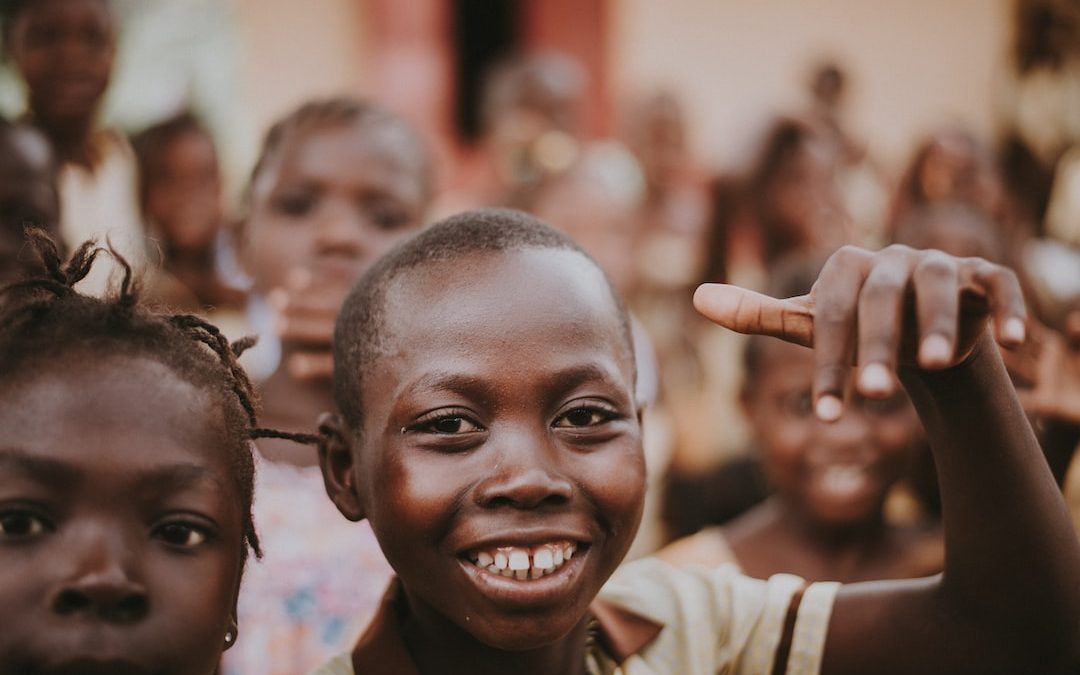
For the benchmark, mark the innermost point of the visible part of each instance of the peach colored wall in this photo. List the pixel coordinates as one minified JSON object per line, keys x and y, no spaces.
{"x":294,"y":50}
{"x":913,"y":63}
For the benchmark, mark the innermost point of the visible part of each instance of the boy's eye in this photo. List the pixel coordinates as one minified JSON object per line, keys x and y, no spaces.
{"x":387,"y":216}
{"x":883,"y":406}
{"x":798,"y":404}
{"x":295,"y":205}
{"x":583,"y":417}
{"x":182,"y":535}
{"x":21,"y":525}
{"x":451,"y":424}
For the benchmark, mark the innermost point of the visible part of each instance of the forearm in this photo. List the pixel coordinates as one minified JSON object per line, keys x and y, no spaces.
{"x":1012,"y":558}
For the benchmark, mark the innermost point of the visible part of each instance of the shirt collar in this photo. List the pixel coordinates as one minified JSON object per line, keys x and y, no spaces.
{"x":381,"y":649}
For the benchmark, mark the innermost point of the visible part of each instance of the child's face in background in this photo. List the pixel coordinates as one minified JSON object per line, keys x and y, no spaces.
{"x":28,"y":194}
{"x":500,"y":430}
{"x":838,"y":474}
{"x":64,"y":50}
{"x":183,"y":192}
{"x":121,"y":548}
{"x":333,"y":200}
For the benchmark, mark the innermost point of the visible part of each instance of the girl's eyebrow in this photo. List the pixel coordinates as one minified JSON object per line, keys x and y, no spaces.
{"x":44,"y":470}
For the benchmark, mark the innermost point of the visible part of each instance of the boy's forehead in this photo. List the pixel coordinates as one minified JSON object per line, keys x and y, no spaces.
{"x":504,"y":292}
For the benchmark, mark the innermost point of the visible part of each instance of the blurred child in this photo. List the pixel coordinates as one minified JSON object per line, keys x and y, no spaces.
{"x":488,"y":430}
{"x":28,"y":196}
{"x":180,"y":196}
{"x":339,"y":181}
{"x":64,"y":51}
{"x":125,"y":482}
{"x":826,"y":519}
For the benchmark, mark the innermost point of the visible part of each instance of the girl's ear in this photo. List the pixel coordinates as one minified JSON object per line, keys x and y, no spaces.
{"x":336,"y":459}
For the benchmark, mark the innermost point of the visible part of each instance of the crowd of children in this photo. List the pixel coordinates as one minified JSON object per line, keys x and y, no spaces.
{"x":445,"y":445}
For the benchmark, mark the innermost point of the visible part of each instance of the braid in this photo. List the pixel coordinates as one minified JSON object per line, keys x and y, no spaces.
{"x":42,"y":316}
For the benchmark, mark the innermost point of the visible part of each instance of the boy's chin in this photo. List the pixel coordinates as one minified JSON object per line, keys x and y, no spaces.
{"x":523,"y":634}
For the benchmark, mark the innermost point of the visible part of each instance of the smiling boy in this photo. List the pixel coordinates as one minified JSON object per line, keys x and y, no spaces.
{"x":489,"y":433}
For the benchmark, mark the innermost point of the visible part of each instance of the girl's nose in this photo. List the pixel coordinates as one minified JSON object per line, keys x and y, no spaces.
{"x":108,"y":594}
{"x":525,"y":477}
{"x":100,"y":579}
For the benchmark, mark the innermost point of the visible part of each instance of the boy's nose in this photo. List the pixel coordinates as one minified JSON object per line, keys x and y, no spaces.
{"x":524,"y":478}
{"x":339,"y":232}
{"x":108,"y":594}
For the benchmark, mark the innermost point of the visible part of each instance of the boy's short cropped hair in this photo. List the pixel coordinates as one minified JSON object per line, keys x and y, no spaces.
{"x":358,"y":334}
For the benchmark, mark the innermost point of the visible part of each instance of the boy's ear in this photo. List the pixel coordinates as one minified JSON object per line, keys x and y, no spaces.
{"x":338,"y":466}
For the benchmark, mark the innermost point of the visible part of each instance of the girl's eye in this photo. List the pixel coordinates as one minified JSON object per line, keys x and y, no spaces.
{"x":295,"y":205}
{"x":182,"y":535}
{"x":451,"y":424}
{"x":582,"y":417}
{"x":21,"y":525}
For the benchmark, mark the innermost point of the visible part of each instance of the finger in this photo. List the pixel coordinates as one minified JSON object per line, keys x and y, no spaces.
{"x":1006,"y":300}
{"x":311,"y":365}
{"x":881,"y":307}
{"x":936,"y":280}
{"x":835,"y":297}
{"x":745,"y":311}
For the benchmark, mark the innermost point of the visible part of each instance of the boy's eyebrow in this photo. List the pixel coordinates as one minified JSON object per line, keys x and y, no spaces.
{"x":567,"y":379}
{"x":43,"y":470}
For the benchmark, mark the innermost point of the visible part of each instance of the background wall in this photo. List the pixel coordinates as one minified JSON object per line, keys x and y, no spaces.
{"x":913,"y":63}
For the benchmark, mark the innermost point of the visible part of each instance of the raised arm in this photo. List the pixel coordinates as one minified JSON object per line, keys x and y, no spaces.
{"x":1009,"y":598}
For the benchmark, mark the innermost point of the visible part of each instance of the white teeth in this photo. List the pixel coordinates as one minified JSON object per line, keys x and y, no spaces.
{"x":519,"y":559}
{"x":543,"y":558}
{"x":523,"y":563}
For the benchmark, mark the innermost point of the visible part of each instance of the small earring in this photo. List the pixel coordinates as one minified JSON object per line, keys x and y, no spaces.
{"x":230,"y":637}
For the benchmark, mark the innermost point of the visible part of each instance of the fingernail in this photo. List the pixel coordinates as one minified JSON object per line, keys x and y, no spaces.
{"x":874,"y":379}
{"x":1013,"y":330}
{"x":935,"y":349}
{"x":829,"y":408}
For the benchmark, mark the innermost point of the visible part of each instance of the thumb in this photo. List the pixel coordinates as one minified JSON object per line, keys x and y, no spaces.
{"x":745,"y":311}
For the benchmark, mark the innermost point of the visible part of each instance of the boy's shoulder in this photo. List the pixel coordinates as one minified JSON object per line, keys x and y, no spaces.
{"x":715,"y":618}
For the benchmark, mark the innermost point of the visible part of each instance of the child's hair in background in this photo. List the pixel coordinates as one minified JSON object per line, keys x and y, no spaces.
{"x":44,"y":317}
{"x":339,"y":112}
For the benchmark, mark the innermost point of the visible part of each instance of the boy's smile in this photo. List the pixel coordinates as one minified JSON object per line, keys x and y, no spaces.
{"x":499,"y":460}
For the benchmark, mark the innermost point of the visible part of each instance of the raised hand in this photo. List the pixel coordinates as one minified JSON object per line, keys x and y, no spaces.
{"x":305,"y":311}
{"x":878,"y":310}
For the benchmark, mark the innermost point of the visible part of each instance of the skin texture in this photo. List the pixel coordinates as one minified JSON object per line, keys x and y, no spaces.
{"x":477,"y":433}
{"x":64,"y":50}
{"x":331,"y":202}
{"x":121,"y":548}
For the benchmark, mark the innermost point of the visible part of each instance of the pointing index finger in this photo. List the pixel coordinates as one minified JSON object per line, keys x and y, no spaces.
{"x":745,"y":311}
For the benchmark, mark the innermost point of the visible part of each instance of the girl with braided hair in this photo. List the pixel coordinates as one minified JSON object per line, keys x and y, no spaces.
{"x":125,"y":479}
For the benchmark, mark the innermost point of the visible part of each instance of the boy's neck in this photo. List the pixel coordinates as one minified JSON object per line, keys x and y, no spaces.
{"x":440,"y":647}
{"x":71,"y":139}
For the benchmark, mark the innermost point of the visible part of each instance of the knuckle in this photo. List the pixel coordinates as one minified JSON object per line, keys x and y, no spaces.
{"x":936,"y":265}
